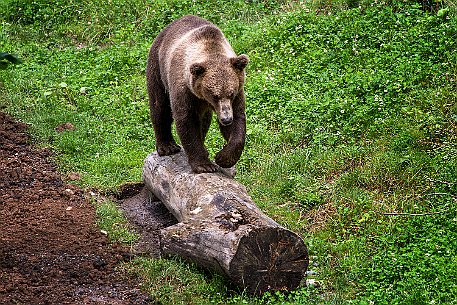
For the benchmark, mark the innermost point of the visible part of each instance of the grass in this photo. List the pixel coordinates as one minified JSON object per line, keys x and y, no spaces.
{"x":352,"y":119}
{"x":112,"y":221}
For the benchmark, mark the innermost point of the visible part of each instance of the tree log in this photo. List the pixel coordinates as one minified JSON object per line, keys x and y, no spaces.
{"x":220,"y":227}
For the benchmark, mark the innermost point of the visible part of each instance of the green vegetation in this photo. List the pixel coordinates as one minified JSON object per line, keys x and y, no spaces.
{"x":112,"y":222}
{"x":352,"y":120}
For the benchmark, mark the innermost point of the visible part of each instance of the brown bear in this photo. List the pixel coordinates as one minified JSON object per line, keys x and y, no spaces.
{"x":192,"y":70}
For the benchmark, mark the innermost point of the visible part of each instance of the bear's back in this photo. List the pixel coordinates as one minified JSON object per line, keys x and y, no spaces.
{"x":180,"y":27}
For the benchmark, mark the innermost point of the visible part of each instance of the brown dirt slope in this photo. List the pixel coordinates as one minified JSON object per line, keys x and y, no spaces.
{"x":51,"y":251}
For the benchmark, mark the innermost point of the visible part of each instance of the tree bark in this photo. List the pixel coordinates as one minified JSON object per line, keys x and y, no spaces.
{"x":220,"y":227}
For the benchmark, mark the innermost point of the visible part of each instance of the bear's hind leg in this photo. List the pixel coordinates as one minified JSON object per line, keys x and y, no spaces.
{"x":162,"y":119}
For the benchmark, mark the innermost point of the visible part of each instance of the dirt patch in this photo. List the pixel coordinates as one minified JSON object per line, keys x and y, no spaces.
{"x":51,"y":250}
{"x":147,"y":215}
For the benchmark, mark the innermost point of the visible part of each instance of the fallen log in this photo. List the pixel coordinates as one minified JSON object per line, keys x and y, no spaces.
{"x":220,"y":228}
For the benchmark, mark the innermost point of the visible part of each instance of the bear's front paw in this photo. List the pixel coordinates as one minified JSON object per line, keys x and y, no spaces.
{"x":204,"y":167}
{"x":225,"y":160}
{"x":168,"y":149}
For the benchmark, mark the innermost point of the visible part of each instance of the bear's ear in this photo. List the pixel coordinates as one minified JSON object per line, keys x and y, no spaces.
{"x":240,"y":62}
{"x":197,"y":69}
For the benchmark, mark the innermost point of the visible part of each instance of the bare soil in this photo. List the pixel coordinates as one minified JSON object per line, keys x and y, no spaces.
{"x":51,"y":250}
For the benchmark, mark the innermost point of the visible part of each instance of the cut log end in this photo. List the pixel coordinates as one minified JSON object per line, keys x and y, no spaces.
{"x":269,"y":259}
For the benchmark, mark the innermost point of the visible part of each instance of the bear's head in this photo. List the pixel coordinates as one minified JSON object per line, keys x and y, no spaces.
{"x":219,"y":81}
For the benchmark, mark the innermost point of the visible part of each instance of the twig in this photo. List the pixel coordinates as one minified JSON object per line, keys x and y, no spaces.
{"x":409,"y":214}
{"x":440,"y":194}
{"x":454,"y":197}
{"x":440,"y":181}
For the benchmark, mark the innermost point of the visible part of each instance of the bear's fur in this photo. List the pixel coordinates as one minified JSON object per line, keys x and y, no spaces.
{"x":192,"y":70}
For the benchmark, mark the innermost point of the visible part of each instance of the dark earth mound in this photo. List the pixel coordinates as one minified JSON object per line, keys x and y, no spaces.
{"x":51,"y":250}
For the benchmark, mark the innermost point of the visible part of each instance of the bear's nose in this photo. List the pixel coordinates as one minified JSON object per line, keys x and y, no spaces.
{"x":226,"y":120}
{"x":225,"y":112}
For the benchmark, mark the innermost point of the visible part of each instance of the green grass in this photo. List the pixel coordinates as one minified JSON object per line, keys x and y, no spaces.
{"x":352,"y":119}
{"x":112,"y":221}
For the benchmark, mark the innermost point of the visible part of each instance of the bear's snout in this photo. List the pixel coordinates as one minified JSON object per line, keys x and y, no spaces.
{"x":226,"y":120}
{"x":225,"y":114}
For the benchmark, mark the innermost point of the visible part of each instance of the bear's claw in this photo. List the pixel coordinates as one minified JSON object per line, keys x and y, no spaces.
{"x":224,"y":162}
{"x":168,"y":149}
{"x":204,"y":168}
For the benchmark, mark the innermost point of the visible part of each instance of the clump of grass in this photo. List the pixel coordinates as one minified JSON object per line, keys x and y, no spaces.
{"x":172,"y":281}
{"x":112,"y":221}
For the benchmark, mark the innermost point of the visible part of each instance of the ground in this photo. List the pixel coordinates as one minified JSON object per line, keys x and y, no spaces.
{"x":51,"y":250}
